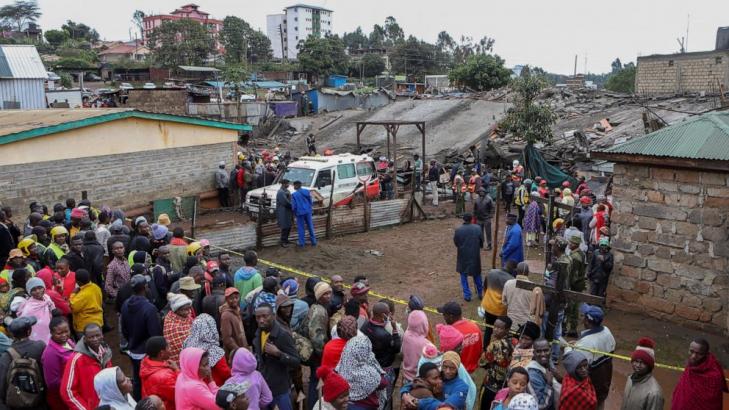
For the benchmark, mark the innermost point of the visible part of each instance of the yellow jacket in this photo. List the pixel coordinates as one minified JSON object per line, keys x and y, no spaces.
{"x":86,"y":307}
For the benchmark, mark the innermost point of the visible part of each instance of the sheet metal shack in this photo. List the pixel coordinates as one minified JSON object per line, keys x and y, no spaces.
{"x":328,"y":100}
{"x":22,"y":78}
{"x":121,"y":157}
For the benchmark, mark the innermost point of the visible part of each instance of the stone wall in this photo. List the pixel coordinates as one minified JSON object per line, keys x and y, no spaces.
{"x":122,"y":180}
{"x":671,"y":244}
{"x":170,"y":101}
{"x":682,"y":73}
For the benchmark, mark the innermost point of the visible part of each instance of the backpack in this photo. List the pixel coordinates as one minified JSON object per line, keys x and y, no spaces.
{"x":24,"y":382}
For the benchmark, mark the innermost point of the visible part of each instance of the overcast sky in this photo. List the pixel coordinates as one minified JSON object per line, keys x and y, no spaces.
{"x":536,"y":32}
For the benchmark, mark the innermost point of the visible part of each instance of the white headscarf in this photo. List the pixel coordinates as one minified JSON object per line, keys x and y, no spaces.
{"x":108,"y":391}
{"x":359,"y":367}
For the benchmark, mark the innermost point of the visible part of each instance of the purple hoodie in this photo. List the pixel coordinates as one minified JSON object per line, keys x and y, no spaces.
{"x":54,"y":361}
{"x":244,"y":370}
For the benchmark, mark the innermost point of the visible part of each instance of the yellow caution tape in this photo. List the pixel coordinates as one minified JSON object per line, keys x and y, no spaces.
{"x":434,"y":310}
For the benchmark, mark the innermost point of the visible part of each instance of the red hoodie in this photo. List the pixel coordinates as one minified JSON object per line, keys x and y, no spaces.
{"x":158,"y":378}
{"x":77,"y":384}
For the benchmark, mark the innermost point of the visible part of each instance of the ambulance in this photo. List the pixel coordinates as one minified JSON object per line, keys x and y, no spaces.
{"x":348,"y":173}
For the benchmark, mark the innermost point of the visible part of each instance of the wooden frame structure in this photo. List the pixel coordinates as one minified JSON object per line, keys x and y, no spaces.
{"x":392,"y":127}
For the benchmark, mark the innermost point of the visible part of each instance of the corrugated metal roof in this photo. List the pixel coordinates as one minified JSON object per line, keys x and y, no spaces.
{"x":21,"y":61}
{"x":199,"y":69}
{"x":701,"y":137}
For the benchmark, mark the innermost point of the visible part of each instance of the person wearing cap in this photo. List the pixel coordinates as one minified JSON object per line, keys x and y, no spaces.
{"x":232,"y":334}
{"x":468,"y":239}
{"x":74,"y":225}
{"x":29,"y":247}
{"x":483,"y":209}
{"x":301,"y":205}
{"x":513,"y":248}
{"x":139,"y":322}
{"x":222,"y":180}
{"x":472,"y":340}
{"x":598,"y":337}
{"x":642,"y":390}
{"x":16,"y":260}
{"x":57,"y":247}
{"x":177,"y":323}
{"x":601,"y":266}
{"x":39,"y":306}
{"x":21,"y":329}
{"x":577,"y":389}
{"x":359,"y":292}
{"x":335,"y":391}
{"x":211,"y":304}
{"x":142,"y":231}
{"x":300,"y":308}
{"x":577,"y":282}
{"x":86,"y":302}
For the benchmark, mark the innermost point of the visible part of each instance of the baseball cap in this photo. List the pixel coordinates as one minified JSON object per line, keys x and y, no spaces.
{"x":231,"y":291}
{"x":592,"y":313}
{"x":451,"y":308}
{"x":15,"y":253}
{"x":359,"y":288}
{"x":22,"y":323}
{"x":212,"y":266}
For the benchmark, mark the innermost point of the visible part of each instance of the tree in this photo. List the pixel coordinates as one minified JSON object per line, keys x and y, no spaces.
{"x":19,"y":14}
{"x":66,"y":80}
{"x":355,"y":40}
{"x":481,"y":72}
{"x":394,"y":34}
{"x":414,"y":57}
{"x":233,"y":37}
{"x":445,"y":42}
{"x":180,"y":42}
{"x":323,"y":56}
{"x":528,"y":119}
{"x":259,"y":47}
{"x":622,"y":81}
{"x":56,"y":37}
{"x":138,"y":21}
{"x":234,"y":75}
{"x":616,"y":65}
{"x":80,"y":31}
{"x":372,"y":65}
{"x":377,"y":36}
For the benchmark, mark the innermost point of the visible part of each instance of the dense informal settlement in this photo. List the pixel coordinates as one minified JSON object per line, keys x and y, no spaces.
{"x":201,"y":333}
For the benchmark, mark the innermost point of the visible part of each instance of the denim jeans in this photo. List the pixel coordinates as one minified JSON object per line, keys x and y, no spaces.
{"x":283,"y":401}
{"x":557,"y":333}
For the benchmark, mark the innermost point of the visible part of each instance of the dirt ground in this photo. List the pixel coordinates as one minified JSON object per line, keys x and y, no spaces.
{"x":419,"y":258}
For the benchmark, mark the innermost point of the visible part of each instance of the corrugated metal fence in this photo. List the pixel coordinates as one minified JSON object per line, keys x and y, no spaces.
{"x":344,"y":221}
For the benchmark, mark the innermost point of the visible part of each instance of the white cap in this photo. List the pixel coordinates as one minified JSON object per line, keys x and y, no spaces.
{"x":221,"y":163}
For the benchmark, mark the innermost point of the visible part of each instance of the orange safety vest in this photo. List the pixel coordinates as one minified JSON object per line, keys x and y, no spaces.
{"x":459,"y":179}
{"x":472,"y":184}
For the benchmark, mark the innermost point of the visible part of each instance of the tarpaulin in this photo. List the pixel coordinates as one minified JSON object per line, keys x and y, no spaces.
{"x":535,"y":165}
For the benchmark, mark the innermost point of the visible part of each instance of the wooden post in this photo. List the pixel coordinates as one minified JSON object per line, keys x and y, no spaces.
{"x":194,"y":217}
{"x":360,"y":128}
{"x":329,"y":208}
{"x":394,"y":159}
{"x":388,"y":141}
{"x":495,"y":236}
{"x":549,"y":232}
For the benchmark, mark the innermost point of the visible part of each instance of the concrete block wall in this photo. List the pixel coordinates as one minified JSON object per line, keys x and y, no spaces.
{"x":671,"y":242}
{"x":123,"y":180}
{"x":682,"y":73}
{"x":173,"y":101}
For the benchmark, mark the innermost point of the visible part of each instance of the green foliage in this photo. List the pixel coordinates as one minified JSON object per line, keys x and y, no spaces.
{"x":128,"y":63}
{"x":73,"y":50}
{"x":242,"y":43}
{"x":69,"y":63}
{"x":394,"y":34}
{"x":616,"y":65}
{"x":323,"y":56}
{"x":481,"y":72}
{"x":528,"y":119}
{"x":19,"y":14}
{"x":66,"y":80}
{"x":138,"y":20}
{"x":275,"y":66}
{"x":180,"y":42}
{"x":372,"y":65}
{"x":355,"y":40}
{"x":622,"y":81}
{"x":80,"y":32}
{"x":56,"y":37}
{"x":415,"y":57}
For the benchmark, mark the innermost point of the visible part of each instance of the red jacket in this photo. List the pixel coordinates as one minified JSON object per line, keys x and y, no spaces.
{"x":77,"y":384}
{"x":158,"y":378}
{"x":240,"y":178}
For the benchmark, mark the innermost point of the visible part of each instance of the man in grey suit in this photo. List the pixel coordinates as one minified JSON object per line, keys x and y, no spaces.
{"x":284,"y":213}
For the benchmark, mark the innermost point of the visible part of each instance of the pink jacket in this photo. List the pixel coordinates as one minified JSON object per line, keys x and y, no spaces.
{"x":415,"y":338}
{"x":192,"y":393}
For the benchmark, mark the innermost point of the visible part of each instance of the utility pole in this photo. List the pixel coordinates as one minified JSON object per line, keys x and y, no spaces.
{"x":575,"y":65}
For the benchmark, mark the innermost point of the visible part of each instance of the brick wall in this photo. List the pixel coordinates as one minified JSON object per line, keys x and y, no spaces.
{"x":682,"y":73}
{"x":124,"y":180}
{"x":671,"y":244}
{"x":166,"y":101}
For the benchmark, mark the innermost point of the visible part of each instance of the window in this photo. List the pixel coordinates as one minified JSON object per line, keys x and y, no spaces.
{"x":345,"y":171}
{"x":296,"y":28}
{"x":297,"y":37}
{"x":365,"y":169}
{"x":296,"y":19}
{"x":718,"y":60}
{"x":304,"y":175}
{"x":324,"y":178}
{"x":670,"y":63}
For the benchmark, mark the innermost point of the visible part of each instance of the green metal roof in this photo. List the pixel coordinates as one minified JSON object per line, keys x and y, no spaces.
{"x":113,"y":116}
{"x":703,"y":137}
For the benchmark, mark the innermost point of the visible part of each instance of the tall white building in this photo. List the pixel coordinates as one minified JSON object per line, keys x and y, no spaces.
{"x":294,"y":25}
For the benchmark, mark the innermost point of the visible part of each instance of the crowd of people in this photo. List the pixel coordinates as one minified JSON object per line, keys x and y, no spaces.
{"x":199,"y":332}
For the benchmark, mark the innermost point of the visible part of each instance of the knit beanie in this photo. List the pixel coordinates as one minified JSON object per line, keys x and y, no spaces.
{"x":34,"y":283}
{"x":320,"y":289}
{"x":430,"y":351}
{"x":450,"y":337}
{"x":159,"y":231}
{"x":452,"y":357}
{"x":178,"y":300}
{"x":291,"y":287}
{"x":644,"y":352}
{"x":334,"y":384}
